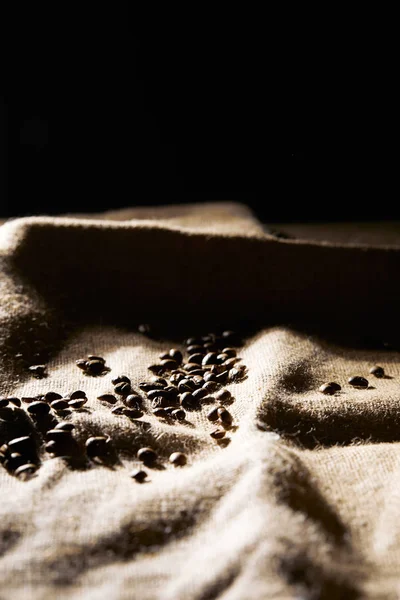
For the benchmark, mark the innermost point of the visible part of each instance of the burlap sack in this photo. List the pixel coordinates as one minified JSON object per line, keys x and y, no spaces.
{"x":304,"y":502}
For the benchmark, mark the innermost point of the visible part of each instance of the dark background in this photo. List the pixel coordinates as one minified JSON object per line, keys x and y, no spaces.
{"x":302,"y":138}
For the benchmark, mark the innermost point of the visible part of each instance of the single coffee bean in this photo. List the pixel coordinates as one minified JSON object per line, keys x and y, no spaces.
{"x":210,"y":359}
{"x":213,"y":414}
{"x":155,"y":393}
{"x":211,"y":386}
{"x":28,"y":400}
{"x":169,"y":364}
{"x":326,"y":388}
{"x":335,"y":386}
{"x":118,"y":410}
{"x":123,"y":388}
{"x":7,"y":414}
{"x":208,"y":338}
{"x":210,"y":377}
{"x":133,"y":401}
{"x":218,"y":434}
{"x":15,"y":401}
{"x":98,"y":358}
{"x":186,"y":385}
{"x":178,"y":459}
{"x":159,"y":412}
{"x":196,"y":358}
{"x":178,"y":414}
{"x":147,"y":455}
{"x":211,"y":347}
{"x":196,"y":349}
{"x":169,"y":409}
{"x":81,"y":363}
{"x":50,"y":396}
{"x":231,"y":337}
{"x":222,"y":395}
{"x":358,"y":382}
{"x":109,"y":398}
{"x":15,"y":460}
{"x":147,"y":386}
{"x":208,"y":399}
{"x":193,"y":372}
{"x":230,"y":352}
{"x":53,"y":448}
{"x":59,"y":405}
{"x":139,"y":475}
{"x":193,"y":341}
{"x":187,"y":400}
{"x":157,"y":369}
{"x":198,"y":394}
{"x":377,"y":371}
{"x":38,"y":409}
{"x":176,"y":378}
{"x":225,"y":416}
{"x":65,"y":426}
{"x":97,"y":446}
{"x":189,"y":367}
{"x":222,"y":377}
{"x":222,"y":358}
{"x":94,"y":367}
{"x":164,"y":356}
{"x":230,"y":362}
{"x":234,"y":374}
{"x":160,"y":402}
{"x":59,"y":435}
{"x":217,"y":369}
{"x":176,"y":355}
{"x":120,"y":379}
{"x":23,"y":445}
{"x":38,"y":371}
{"x":172,"y":392}
{"x":77,"y":395}
{"x":3,"y":402}
{"x":25,"y":471}
{"x":159,"y":380}
{"x":133,"y":413}
{"x":77,"y":403}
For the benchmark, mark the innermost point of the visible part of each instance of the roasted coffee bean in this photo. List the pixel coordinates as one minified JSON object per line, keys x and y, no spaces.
{"x":222,"y":358}
{"x":133,"y":413}
{"x":38,"y":371}
{"x":120,"y":379}
{"x":196,"y":358}
{"x":190,"y":367}
{"x":330,"y":388}
{"x":225,"y":416}
{"x":59,"y":405}
{"x":15,"y":401}
{"x":197,"y":380}
{"x":147,"y":455}
{"x":25,"y":471}
{"x":222,"y":395}
{"x":159,"y":412}
{"x":77,"y":403}
{"x":53,"y":448}
{"x":65,"y":426}
{"x":178,"y":459}
{"x":358,"y":382}
{"x":216,"y":369}
{"x":97,"y":447}
{"x":3,"y":402}
{"x":211,"y":387}
{"x":231,"y":337}
{"x":7,"y":414}
{"x":193,"y":341}
{"x":15,"y":460}
{"x":169,"y":364}
{"x":160,"y":402}
{"x":377,"y":371}
{"x":230,"y":362}
{"x":235,"y":374}
{"x":77,"y":395}
{"x":38,"y":409}
{"x":155,"y":393}
{"x":207,"y":338}
{"x":172,"y":392}
{"x":109,"y":398}
{"x":186,"y":385}
{"x":170,"y":409}
{"x":123,"y":388}
{"x":59,"y":435}
{"x":176,"y":378}
{"x":194,"y":372}
{"x":139,"y":475}
{"x":208,"y":399}
{"x":29,"y":399}
{"x":178,"y":414}
{"x":23,"y":445}
{"x":98,"y":358}
{"x":147,"y":386}
{"x":50,"y":396}
{"x":230,"y":352}
{"x":81,"y":363}
{"x":210,"y":359}
{"x":210,"y":377}
{"x":213,"y":414}
{"x":94,"y":367}
{"x":164,"y":356}
{"x":195,"y":350}
{"x":159,"y":381}
{"x":157,"y":369}
{"x":218,"y":434}
{"x":211,"y":347}
{"x":4,"y":449}
{"x":176,"y":355}
{"x":118,"y":410}
{"x":144,"y":329}
{"x":186,"y":400}
{"x":132,"y":401}
{"x":222,"y":377}
{"x":198,"y":394}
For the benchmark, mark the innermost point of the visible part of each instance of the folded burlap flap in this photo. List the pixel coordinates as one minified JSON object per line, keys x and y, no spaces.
{"x":303,"y":502}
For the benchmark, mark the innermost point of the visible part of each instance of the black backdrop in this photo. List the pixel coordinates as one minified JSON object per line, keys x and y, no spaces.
{"x":297,"y":139}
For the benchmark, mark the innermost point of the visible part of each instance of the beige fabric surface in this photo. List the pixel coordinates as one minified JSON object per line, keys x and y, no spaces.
{"x":304,"y":502}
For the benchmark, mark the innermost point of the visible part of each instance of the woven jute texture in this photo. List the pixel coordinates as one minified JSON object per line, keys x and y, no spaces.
{"x":303,"y":501}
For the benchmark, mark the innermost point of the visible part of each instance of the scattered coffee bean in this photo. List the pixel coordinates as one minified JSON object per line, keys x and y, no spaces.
{"x":329,"y":388}
{"x":210,"y":377}
{"x":190,"y":367}
{"x":170,"y":409}
{"x":59,"y":435}
{"x":196,"y":372}
{"x":230,"y":352}
{"x":132,"y":413}
{"x":208,"y":399}
{"x":169,"y":364}
{"x":38,"y":371}
{"x":218,"y":434}
{"x":147,"y":455}
{"x":77,"y":395}
{"x":139,"y":475}
{"x":3,"y":402}
{"x":159,"y":412}
{"x":193,"y":341}
{"x":118,"y":410}
{"x":160,"y":402}
{"x":178,"y":414}
{"x":196,"y":349}
{"x":186,"y":385}
{"x":7,"y":414}
{"x":15,"y":401}
{"x":211,"y":386}
{"x":176,"y":355}
{"x":222,"y":377}
{"x":94,"y":367}
{"x":65,"y":426}
{"x":23,"y":445}
{"x":210,"y":359}
{"x":210,"y":347}
{"x":25,"y":471}
{"x":157,"y":369}
{"x":38,"y":409}
{"x":77,"y":403}
{"x":53,"y":448}
{"x":198,"y":380}
{"x":123,"y":388}
{"x":81,"y":363}
{"x":213,"y":414}
{"x":132,"y":401}
{"x":358,"y":382}
{"x":225,"y":416}
{"x":147,"y":387}
{"x":59,"y":405}
{"x":97,"y":447}
{"x":222,"y":358}
{"x":97,"y":358}
{"x":232,"y":338}
{"x":159,"y":380}
{"x":230,"y":362}
{"x":234,"y":374}
{"x":222,"y":395}
{"x":187,"y":400}
{"x":164,"y":356}
{"x":198,"y":394}
{"x":29,"y":399}
{"x":109,"y":398}
{"x":156,"y":393}
{"x":176,"y":378}
{"x":120,"y":379}
{"x":50,"y":396}
{"x":196,"y":358}
{"x":178,"y":459}
{"x":378,"y":372}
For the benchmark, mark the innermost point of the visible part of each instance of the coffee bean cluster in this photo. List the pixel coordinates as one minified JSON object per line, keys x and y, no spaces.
{"x":357,"y":381}
{"x":19,"y":456}
{"x":92,"y":365}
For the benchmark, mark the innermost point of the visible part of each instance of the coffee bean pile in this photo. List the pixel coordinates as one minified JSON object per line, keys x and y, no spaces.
{"x":356,"y":381}
{"x":92,"y":365}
